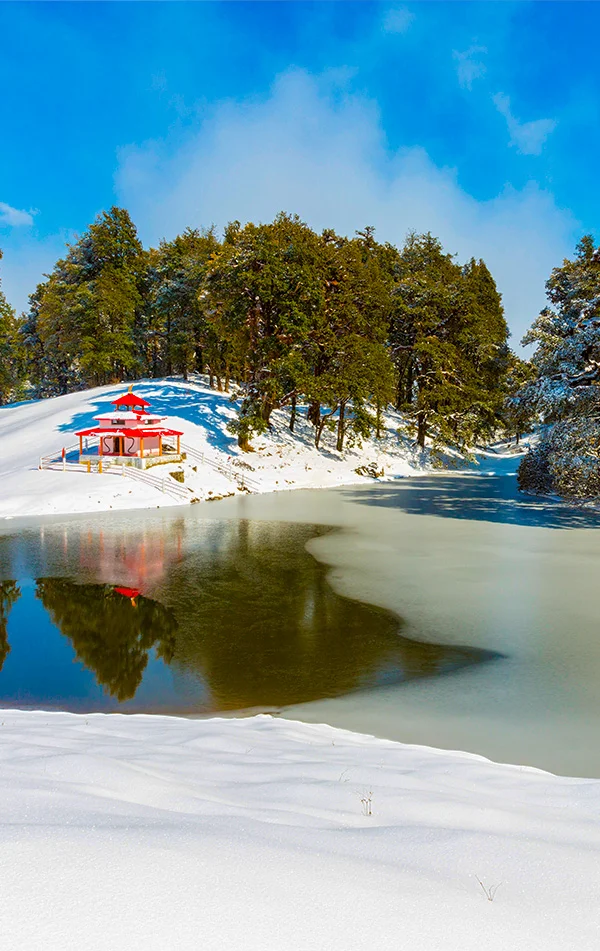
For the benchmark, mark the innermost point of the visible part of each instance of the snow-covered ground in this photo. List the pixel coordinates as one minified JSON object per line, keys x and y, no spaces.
{"x":149,"y":833}
{"x":154,"y":833}
{"x":281,"y":460}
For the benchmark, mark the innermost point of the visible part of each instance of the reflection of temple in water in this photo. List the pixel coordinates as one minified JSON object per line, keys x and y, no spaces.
{"x":124,"y":556}
{"x":238,"y":611}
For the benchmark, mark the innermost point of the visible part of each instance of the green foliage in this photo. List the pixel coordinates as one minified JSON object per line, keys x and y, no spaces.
{"x":262,"y":295}
{"x":518,"y":415}
{"x":344,"y":325}
{"x":176,"y":335}
{"x":11,"y":353}
{"x":564,"y":387}
{"x":448,"y":337}
{"x":80,"y":329}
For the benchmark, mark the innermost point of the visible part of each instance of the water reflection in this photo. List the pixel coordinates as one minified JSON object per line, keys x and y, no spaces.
{"x":193,"y":616}
{"x":9,"y":593}
{"x":112,"y":633}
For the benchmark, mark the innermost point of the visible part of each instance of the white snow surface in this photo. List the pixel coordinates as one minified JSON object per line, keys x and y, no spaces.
{"x":147,"y":833}
{"x":281,"y":460}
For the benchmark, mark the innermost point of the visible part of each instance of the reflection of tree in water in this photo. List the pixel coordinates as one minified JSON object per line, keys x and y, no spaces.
{"x":249,"y":613}
{"x":261,"y":623}
{"x":111,"y":634}
{"x":9,"y":593}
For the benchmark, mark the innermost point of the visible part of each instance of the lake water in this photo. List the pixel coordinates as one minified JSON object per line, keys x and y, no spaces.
{"x":189,"y":615}
{"x":446,"y":610}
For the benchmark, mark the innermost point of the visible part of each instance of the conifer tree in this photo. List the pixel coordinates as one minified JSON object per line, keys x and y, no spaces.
{"x":261,"y":294}
{"x":348,"y":364}
{"x":83,"y":318}
{"x":178,"y":334}
{"x":11,"y":353}
{"x":565,"y":392}
{"x":448,"y":337}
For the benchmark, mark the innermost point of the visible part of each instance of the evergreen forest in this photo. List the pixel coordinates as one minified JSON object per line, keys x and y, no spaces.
{"x":283,"y":317}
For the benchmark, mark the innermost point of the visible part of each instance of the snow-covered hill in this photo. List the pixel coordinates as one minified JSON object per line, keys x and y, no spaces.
{"x":281,"y":460}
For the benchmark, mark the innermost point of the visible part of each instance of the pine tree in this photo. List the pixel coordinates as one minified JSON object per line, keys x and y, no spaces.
{"x":50,"y":339}
{"x":261,"y":293}
{"x":178,"y":333}
{"x":448,"y":337}
{"x":83,"y":318}
{"x":565,"y":392}
{"x":517,"y":415}
{"x":11,"y":353}
{"x":349,"y":369}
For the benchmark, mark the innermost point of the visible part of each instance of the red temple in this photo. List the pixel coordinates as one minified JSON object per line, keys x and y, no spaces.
{"x":132,"y":434}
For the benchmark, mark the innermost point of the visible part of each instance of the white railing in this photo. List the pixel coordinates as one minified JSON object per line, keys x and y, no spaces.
{"x":47,"y":462}
{"x":229,"y":470}
{"x":167,"y":484}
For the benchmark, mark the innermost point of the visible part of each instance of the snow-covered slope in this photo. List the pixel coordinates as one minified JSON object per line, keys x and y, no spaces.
{"x":151,"y":833}
{"x":282,"y":460}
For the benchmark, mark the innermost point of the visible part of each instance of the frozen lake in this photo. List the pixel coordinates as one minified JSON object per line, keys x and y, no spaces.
{"x":190,"y":615}
{"x":445,"y":610}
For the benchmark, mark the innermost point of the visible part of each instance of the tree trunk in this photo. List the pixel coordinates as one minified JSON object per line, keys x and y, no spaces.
{"x":339,"y":445}
{"x":266,"y":410}
{"x":399,"y":392}
{"x":319,"y":431}
{"x":293,"y":414}
{"x":211,"y":380}
{"x":244,"y":442}
{"x":409,"y":383}
{"x":378,"y":420}
{"x":421,"y":430}
{"x":314,"y":412}
{"x":517,"y":439}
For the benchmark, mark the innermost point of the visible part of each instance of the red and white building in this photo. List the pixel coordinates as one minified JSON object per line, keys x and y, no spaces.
{"x":131,"y":433}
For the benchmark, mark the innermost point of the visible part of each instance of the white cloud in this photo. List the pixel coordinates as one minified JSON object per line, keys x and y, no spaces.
{"x":312,"y":149}
{"x":25,"y":260}
{"x":528,"y":137}
{"x":15,"y":217}
{"x":398,"y":20}
{"x":469,"y":65}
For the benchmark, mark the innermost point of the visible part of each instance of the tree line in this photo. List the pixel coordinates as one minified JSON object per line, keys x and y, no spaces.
{"x":342,"y":327}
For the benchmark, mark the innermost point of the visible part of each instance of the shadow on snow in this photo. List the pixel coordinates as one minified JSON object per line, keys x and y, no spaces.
{"x":196,"y":406}
{"x":477,"y":496}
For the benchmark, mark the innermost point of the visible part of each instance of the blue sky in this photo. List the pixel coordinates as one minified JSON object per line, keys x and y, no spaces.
{"x":477,"y":121}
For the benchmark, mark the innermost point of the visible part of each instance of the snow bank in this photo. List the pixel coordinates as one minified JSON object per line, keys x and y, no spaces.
{"x":147,"y":833}
{"x":282,"y":460}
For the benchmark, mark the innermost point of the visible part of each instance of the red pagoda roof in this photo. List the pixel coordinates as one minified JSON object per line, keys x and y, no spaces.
{"x":130,"y":399}
{"x":122,"y":431}
{"x":128,"y":592}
